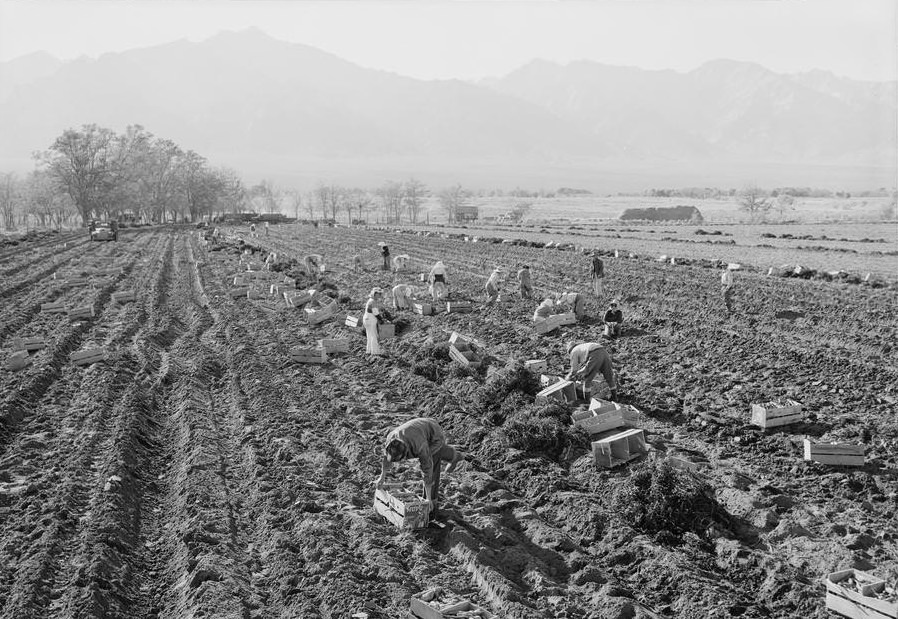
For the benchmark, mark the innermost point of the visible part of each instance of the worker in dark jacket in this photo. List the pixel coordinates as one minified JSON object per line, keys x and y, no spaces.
{"x":613,"y":320}
{"x":385,"y":252}
{"x":587,"y":360}
{"x":420,"y":438}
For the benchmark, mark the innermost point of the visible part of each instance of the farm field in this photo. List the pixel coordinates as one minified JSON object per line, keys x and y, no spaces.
{"x":196,"y":470}
{"x":857,"y":248}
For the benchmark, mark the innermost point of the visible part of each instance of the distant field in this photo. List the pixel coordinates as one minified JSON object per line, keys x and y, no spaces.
{"x":808,"y":210}
{"x":745,"y":245}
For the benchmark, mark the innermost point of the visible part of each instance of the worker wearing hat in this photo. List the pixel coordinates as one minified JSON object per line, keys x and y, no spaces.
{"x":597,"y":272}
{"x":727,"y":288}
{"x":493,"y":284}
{"x":420,"y":438}
{"x":614,"y":319}
{"x":372,"y":317}
{"x":587,"y":360}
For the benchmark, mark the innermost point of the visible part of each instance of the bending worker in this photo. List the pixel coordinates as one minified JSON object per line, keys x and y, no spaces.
{"x":438,"y":281}
{"x":587,"y":360}
{"x":544,"y":309}
{"x":420,"y":438}
{"x":401,"y":294}
{"x":524,"y":279}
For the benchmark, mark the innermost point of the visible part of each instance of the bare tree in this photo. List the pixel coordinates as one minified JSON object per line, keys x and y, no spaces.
{"x":451,"y":198}
{"x":391,"y":194}
{"x":9,"y":199}
{"x":414,"y":192}
{"x":357,"y":200}
{"x":754,"y":201}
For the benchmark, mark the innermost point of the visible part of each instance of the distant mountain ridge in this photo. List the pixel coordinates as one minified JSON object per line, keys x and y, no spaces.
{"x":244,"y":96}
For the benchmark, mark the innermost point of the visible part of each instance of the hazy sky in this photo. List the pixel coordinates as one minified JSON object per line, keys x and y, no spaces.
{"x":475,"y":38}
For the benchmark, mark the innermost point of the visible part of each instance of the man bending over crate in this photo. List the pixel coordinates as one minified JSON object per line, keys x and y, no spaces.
{"x":420,"y":438}
{"x":587,"y":360}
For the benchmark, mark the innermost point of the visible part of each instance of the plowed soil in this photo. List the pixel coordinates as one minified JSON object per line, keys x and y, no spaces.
{"x":197,"y":471}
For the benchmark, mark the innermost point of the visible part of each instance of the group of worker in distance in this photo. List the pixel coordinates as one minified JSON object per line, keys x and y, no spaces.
{"x":422,"y":438}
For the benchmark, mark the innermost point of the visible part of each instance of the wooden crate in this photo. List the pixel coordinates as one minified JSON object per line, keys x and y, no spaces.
{"x":289,"y":282}
{"x":442,"y":604}
{"x":462,"y":354}
{"x":83,"y":311}
{"x":544,"y":325}
{"x":308,"y":354}
{"x":125,"y":296}
{"x":841,"y":454}
{"x":332,"y":346}
{"x":537,"y":366}
{"x":240,"y":280}
{"x":860,"y":595}
{"x":57,"y":307}
{"x":425,"y":309}
{"x":354,"y":322}
{"x":253,"y":293}
{"x":298,"y":298}
{"x":459,"y":307}
{"x":269,"y":307}
{"x":88,"y":356}
{"x":597,"y":422}
{"x":17,"y":361}
{"x":77,"y":281}
{"x":563,"y":391}
{"x":402,"y":507}
{"x":29,"y":343}
{"x":238,"y":293}
{"x":317,"y":315}
{"x":774,"y":414}
{"x":386,"y":331}
{"x":619,"y":448}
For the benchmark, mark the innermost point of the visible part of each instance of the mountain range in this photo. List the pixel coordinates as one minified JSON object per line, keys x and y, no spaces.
{"x":279,"y":109}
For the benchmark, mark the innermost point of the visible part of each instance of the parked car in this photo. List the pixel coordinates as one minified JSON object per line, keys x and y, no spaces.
{"x":103,"y":230}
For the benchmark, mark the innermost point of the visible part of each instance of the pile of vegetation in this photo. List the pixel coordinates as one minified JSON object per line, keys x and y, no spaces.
{"x":513,"y":379}
{"x":540,"y":430}
{"x":668,"y":502}
{"x":431,"y":360}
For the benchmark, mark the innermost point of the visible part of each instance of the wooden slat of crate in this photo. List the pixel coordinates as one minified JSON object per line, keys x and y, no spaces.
{"x":406,"y":511}
{"x":544,"y":326}
{"x":771,"y":416}
{"x":297,"y":298}
{"x":423,"y":610}
{"x":17,"y":360}
{"x":28,"y":343}
{"x":842,"y":454}
{"x":332,"y":345}
{"x":269,"y":306}
{"x":855,"y":604}
{"x":537,"y":366}
{"x":125,"y":296}
{"x":88,"y":356}
{"x":458,"y":307}
{"x":84,"y":311}
{"x":619,"y":448}
{"x":53,"y":308}
{"x":77,"y":281}
{"x":303,"y":354}
{"x":563,"y":391}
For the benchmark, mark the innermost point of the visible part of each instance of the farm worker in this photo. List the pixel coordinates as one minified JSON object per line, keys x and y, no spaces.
{"x":266,"y":228}
{"x":544,"y":310}
{"x":401,"y":294}
{"x":385,"y":252}
{"x":587,"y":360}
{"x":597,"y":271}
{"x":374,"y":315}
{"x":727,"y":288}
{"x":399,"y":263}
{"x":493,"y":284}
{"x":312,"y":261}
{"x":613,"y":319}
{"x":575,"y":301}
{"x":216,"y":235}
{"x":524,"y":279}
{"x":252,"y":230}
{"x":438,"y":281}
{"x":420,"y":438}
{"x":357,"y":262}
